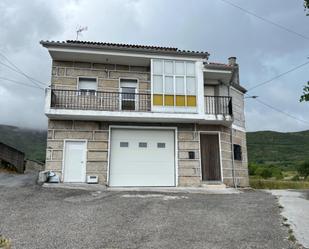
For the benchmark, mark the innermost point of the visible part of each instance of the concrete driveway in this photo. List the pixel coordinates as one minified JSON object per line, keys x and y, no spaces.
{"x":36,"y":217}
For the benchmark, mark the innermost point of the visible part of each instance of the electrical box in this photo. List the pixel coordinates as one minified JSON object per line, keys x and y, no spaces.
{"x":92,"y":179}
{"x":191,"y":155}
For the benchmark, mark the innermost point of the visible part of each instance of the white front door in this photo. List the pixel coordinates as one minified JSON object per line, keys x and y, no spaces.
{"x":75,"y":161}
{"x":142,"y":157}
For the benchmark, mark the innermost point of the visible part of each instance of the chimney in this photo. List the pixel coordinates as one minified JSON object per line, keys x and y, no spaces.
{"x":232,"y":61}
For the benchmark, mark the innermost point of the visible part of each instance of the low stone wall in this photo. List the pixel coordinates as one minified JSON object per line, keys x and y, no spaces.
{"x":32,"y":165}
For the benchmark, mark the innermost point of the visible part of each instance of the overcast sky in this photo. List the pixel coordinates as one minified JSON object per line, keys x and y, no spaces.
{"x":263,"y":51}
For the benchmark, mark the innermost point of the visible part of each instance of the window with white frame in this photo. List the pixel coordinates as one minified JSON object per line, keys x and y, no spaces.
{"x":128,"y":88}
{"x":174,"y":83}
{"x":87,"y":85}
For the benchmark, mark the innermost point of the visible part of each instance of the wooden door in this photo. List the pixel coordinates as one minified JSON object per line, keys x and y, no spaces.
{"x":210,"y":156}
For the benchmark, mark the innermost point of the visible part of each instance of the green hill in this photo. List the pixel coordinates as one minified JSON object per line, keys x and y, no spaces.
{"x":264,"y":147}
{"x":276,"y":148}
{"x":31,"y":142}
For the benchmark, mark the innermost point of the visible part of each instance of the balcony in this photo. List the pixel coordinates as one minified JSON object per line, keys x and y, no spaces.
{"x":218,"y":105}
{"x":130,"y":106}
{"x":100,"y":101}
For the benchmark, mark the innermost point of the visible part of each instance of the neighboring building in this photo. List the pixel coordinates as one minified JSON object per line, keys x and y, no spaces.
{"x":144,"y":116}
{"x":12,"y":157}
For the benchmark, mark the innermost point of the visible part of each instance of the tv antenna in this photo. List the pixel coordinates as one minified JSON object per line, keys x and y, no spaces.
{"x":79,"y":30}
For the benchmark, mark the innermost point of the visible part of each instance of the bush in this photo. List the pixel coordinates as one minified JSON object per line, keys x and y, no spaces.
{"x":264,"y":172}
{"x":277,"y":173}
{"x":252,"y":168}
{"x":303,"y":169}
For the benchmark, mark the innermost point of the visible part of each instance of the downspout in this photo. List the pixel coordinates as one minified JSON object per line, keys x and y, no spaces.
{"x":231,"y":135}
{"x":232,"y":147}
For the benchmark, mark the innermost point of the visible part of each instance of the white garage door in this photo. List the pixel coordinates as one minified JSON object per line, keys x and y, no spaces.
{"x":142,"y":158}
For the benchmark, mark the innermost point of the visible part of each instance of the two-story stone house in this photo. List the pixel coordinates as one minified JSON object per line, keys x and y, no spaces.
{"x":144,"y":116}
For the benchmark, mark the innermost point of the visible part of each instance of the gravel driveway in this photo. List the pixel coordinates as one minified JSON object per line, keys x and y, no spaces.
{"x":36,"y":217}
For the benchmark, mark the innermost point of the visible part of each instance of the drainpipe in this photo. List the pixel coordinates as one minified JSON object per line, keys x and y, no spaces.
{"x":232,"y":147}
{"x":232,"y":62}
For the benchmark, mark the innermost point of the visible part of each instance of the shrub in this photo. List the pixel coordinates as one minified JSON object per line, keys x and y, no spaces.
{"x":252,"y":168}
{"x":303,"y":169}
{"x":277,"y":173}
{"x":264,"y":172}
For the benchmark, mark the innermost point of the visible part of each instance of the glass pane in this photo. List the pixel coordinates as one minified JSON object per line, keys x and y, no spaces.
{"x":169,"y":85}
{"x":180,"y":85}
{"x":191,"y":88}
{"x":179,"y":67}
{"x":128,"y":105}
{"x":157,"y":84}
{"x":157,"y":67}
{"x":128,"y":93}
{"x":190,"y":68}
{"x":87,"y":84}
{"x":168,"y":67}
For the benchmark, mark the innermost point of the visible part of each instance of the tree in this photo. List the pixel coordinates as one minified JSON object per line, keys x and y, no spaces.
{"x":306,"y":4}
{"x":305,"y":96}
{"x":303,"y":169}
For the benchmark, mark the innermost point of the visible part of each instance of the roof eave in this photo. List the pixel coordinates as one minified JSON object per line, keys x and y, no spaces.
{"x":48,"y":44}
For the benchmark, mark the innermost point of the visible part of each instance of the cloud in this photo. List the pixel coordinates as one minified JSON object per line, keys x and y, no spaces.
{"x":263,"y":50}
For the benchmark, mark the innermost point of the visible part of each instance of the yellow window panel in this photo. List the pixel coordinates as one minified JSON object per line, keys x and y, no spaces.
{"x":180,"y":100}
{"x":157,"y":99}
{"x":191,"y":100}
{"x":169,"y":100}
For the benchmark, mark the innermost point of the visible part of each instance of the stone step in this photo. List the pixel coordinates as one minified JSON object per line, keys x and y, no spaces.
{"x":213,"y":185}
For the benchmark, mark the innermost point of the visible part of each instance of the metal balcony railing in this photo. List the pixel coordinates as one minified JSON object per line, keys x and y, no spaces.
{"x":218,"y":105}
{"x":100,"y":101}
{"x":123,"y":101}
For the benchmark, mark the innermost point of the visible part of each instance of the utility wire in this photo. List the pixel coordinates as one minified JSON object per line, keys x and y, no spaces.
{"x":280,"y":111}
{"x":28,"y":77}
{"x":18,"y":70}
{"x":266,"y":20}
{"x":278,"y":76}
{"x":21,"y":83}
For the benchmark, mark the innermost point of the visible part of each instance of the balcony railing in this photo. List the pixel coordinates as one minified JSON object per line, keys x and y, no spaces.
{"x":122,"y":101}
{"x":100,"y":101}
{"x":218,"y":105}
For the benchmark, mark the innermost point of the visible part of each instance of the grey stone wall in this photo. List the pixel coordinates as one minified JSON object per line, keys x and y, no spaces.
{"x":240,"y":167}
{"x":96,"y":134}
{"x":238,"y":107}
{"x":65,"y":75}
{"x":189,"y":170}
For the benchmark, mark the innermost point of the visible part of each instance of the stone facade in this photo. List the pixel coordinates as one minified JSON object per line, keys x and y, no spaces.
{"x":188,"y":137}
{"x":96,"y":134}
{"x":65,"y":75}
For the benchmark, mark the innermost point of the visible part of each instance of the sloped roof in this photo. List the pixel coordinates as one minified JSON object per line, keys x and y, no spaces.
{"x":129,"y":47}
{"x":216,"y":65}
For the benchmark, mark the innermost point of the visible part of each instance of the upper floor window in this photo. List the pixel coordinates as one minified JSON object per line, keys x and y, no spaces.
{"x":128,"y":88}
{"x":174,"y":83}
{"x":88,"y":85}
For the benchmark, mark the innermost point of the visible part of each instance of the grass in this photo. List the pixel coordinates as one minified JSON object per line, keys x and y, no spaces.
{"x":276,"y":184}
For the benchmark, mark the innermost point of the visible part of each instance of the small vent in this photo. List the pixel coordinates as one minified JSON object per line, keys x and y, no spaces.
{"x":124,"y":144}
{"x":161,"y":145}
{"x":142,"y":145}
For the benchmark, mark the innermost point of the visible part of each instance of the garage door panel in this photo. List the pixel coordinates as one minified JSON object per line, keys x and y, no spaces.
{"x":133,"y":165}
